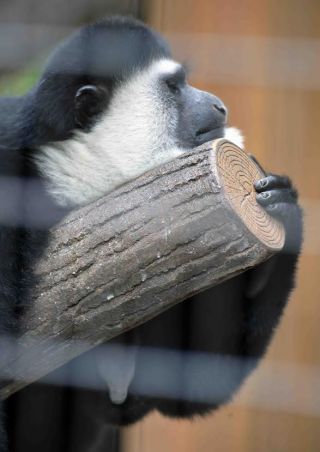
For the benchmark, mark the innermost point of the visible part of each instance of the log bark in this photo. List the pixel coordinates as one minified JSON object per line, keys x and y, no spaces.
{"x":173,"y":232}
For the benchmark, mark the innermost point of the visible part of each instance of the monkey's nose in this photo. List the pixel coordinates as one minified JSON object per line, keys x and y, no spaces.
{"x":221,"y":108}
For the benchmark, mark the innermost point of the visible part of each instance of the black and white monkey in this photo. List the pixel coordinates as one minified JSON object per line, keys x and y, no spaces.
{"x":110,"y":105}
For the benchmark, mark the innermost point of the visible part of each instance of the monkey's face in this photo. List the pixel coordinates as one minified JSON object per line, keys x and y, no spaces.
{"x":125,"y":130}
{"x":152,"y":112}
{"x":114,"y":105}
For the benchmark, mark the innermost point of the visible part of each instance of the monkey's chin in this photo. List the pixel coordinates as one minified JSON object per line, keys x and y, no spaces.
{"x":213,"y":134}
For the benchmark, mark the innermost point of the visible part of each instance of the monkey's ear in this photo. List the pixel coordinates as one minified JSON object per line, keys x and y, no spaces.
{"x":89,"y":101}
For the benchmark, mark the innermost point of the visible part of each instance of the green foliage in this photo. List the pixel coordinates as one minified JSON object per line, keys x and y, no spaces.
{"x":20,"y":83}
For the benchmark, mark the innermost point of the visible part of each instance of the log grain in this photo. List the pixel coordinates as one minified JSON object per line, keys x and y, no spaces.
{"x":112,"y":265}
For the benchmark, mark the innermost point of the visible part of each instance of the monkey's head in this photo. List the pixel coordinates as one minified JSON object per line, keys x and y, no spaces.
{"x":112,"y":104}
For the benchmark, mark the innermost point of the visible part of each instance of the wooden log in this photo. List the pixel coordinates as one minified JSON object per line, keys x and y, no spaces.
{"x":173,"y":232}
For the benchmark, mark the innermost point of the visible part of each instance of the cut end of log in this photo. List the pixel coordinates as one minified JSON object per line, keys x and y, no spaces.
{"x":237,"y":173}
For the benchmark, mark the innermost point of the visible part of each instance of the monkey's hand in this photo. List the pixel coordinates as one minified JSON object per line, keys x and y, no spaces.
{"x":279,"y":198}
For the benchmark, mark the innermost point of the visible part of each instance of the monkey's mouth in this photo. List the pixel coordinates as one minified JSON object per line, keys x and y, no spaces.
{"x":208,"y":134}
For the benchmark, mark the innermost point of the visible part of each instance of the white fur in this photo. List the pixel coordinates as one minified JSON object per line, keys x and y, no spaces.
{"x":234,"y":135}
{"x":164,"y":66}
{"x":134,"y":135}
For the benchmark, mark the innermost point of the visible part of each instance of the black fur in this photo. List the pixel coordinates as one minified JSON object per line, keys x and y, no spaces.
{"x":228,"y":326}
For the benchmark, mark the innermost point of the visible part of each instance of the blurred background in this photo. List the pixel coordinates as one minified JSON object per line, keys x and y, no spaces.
{"x":262,"y":57}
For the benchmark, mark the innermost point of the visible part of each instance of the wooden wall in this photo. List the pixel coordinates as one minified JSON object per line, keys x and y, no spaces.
{"x":263,"y":59}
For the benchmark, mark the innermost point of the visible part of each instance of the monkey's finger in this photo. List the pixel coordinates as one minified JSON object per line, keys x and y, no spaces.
{"x":272,"y":181}
{"x":270,"y":197}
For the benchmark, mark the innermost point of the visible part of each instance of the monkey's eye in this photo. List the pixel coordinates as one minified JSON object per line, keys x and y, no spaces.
{"x":176,"y":81}
{"x":174,"y":85}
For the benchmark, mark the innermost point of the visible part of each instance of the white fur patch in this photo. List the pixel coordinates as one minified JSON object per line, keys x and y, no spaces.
{"x":164,"y":66}
{"x":117,"y":368}
{"x":234,"y":135}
